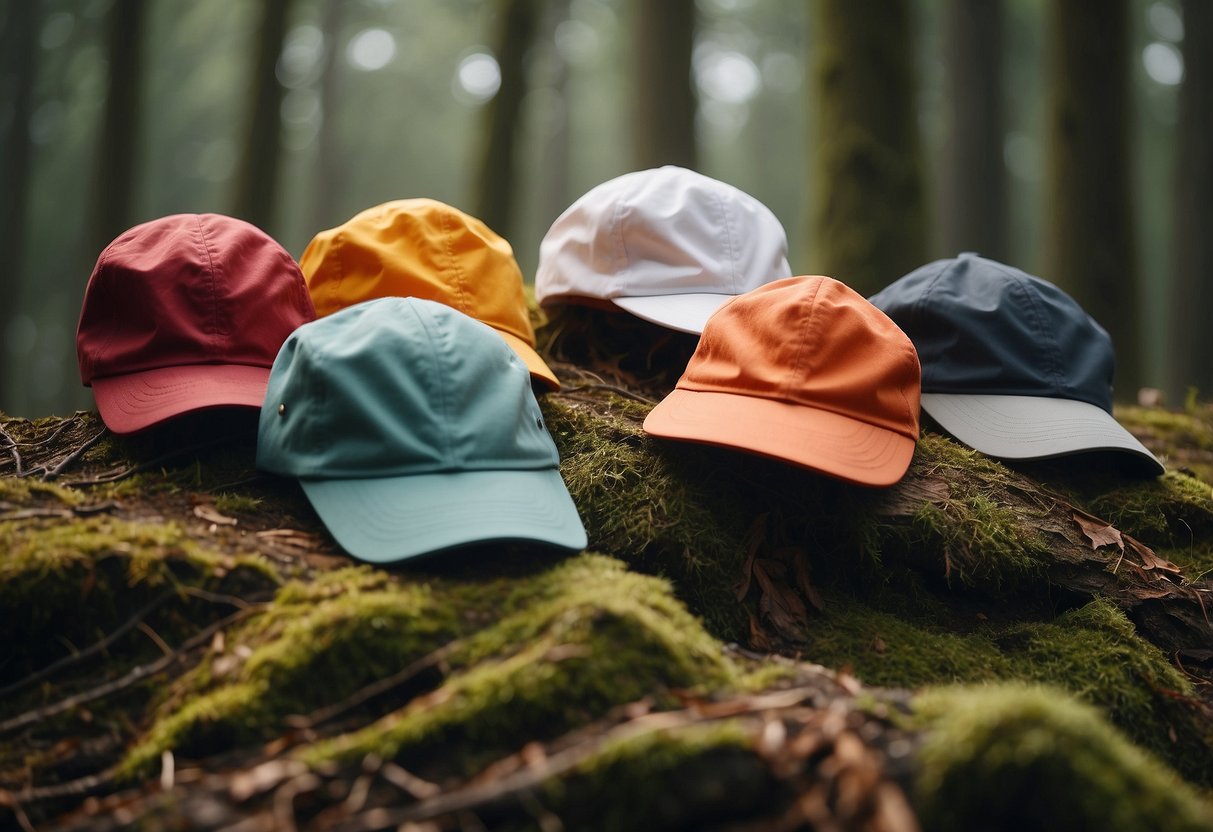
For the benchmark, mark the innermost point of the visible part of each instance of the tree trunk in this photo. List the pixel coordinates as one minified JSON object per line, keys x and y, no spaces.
{"x":1191,"y":354}
{"x":119,"y":151}
{"x":516,"y":24}
{"x":663,"y":97}
{"x":867,"y":222}
{"x":1089,"y":245}
{"x":257,"y":178}
{"x":18,"y":34}
{"x":326,"y":207}
{"x":973,"y":193}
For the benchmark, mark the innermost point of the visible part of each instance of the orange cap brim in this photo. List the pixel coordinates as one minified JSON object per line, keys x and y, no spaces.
{"x":539,"y":369}
{"x":824,"y":441}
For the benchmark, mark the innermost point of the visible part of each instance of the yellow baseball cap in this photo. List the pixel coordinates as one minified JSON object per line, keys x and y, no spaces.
{"x":426,"y":249}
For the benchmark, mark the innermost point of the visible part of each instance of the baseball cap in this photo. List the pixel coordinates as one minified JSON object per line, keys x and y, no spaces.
{"x":425,"y":249}
{"x":412,"y":428}
{"x":803,"y":370}
{"x":184,"y":313}
{"x":668,"y":245}
{"x":1011,"y":365}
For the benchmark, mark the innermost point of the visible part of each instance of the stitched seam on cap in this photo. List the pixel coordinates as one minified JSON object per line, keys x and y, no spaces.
{"x":442,"y":396}
{"x":728,"y":238}
{"x":461,"y":292}
{"x":115,"y":317}
{"x":801,"y":349}
{"x":339,"y":258}
{"x":616,"y":230}
{"x":1053,"y":368}
{"x":210,"y":259}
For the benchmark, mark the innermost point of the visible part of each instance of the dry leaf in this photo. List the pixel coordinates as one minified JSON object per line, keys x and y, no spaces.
{"x":1149,"y":560}
{"x":801,"y":561}
{"x":779,"y":601}
{"x":1098,"y":532}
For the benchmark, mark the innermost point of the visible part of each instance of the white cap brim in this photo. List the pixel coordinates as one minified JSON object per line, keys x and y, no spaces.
{"x":685,"y":313}
{"x":1034,"y":427}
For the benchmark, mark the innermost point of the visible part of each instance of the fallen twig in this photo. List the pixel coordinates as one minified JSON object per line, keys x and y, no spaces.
{"x":134,"y":675}
{"x":12,"y":449}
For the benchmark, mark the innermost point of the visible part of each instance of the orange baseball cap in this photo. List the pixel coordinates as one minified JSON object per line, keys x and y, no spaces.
{"x":803,"y":370}
{"x":423,"y":248}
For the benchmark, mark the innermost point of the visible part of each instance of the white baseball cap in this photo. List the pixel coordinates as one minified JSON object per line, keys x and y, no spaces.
{"x":668,"y":245}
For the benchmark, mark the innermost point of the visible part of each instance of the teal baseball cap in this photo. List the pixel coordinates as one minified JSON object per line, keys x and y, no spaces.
{"x":412,"y":429}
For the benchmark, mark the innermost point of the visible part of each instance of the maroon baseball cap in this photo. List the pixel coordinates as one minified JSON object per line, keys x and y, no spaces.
{"x":184,"y":313}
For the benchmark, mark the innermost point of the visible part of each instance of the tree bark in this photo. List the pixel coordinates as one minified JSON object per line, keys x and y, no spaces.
{"x":1191,"y":353}
{"x":17,"y":77}
{"x":497,"y":172}
{"x":867,"y":221}
{"x":257,"y":177}
{"x":973,"y":193}
{"x":663,"y":96}
{"x":118,"y":154}
{"x":1090,"y":249}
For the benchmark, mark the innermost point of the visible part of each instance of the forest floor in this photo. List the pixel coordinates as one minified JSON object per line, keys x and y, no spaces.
{"x":744,"y":645}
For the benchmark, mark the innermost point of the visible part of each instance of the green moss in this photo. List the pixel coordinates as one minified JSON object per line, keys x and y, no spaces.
{"x":592,"y":636}
{"x":1093,"y":651}
{"x":24,"y":491}
{"x":1018,"y":758}
{"x":978,"y":529}
{"x":663,"y":510}
{"x":1173,"y":511}
{"x":672,"y":778}
{"x":316,"y":644}
{"x":64,"y":583}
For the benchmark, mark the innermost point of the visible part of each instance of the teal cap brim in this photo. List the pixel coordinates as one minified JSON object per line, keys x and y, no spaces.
{"x":385,"y":519}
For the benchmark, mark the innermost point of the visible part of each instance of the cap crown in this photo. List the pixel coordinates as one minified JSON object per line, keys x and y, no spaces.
{"x":983,"y":327}
{"x":419,"y":248}
{"x":815,"y":342}
{"x":399,"y":386}
{"x":189,"y":289}
{"x":663,"y":231}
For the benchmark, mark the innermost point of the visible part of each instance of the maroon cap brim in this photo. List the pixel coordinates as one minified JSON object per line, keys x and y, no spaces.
{"x":134,"y":402}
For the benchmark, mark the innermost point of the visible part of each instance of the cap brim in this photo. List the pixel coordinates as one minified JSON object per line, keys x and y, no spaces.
{"x":685,"y":313}
{"x":1034,"y":427}
{"x":387,"y":519}
{"x":137,"y":401}
{"x":827,"y":442}
{"x":538,"y":367}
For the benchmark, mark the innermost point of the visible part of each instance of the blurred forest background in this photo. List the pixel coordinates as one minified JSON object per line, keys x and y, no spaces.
{"x":1068,"y":137}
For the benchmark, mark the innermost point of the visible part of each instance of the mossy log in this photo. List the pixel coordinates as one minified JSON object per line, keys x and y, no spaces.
{"x":745,"y":646}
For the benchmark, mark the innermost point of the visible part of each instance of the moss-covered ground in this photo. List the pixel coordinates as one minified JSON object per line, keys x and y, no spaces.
{"x":743,"y":642}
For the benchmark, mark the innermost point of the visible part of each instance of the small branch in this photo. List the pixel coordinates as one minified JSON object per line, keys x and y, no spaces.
{"x":135,"y":675}
{"x":130,"y":470}
{"x":11,"y":444}
{"x":92,"y":650}
{"x":75,"y":511}
{"x":51,"y":473}
{"x":72,"y":788}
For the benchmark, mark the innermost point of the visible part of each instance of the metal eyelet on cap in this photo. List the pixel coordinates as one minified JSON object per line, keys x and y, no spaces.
{"x":539,"y":423}
{"x":282,"y":409}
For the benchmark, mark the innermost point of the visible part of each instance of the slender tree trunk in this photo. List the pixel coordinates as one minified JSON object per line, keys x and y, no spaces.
{"x":18,"y":34}
{"x":973,"y":193}
{"x":1191,"y":353}
{"x":556,"y":152}
{"x":257,"y":177}
{"x":867,"y":220}
{"x":663,"y":97}
{"x":1089,"y":246}
{"x":119,"y":151}
{"x":497,"y":173}
{"x":326,"y":207}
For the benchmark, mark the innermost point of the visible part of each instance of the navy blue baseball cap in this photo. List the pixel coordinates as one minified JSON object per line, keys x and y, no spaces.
{"x":1011,"y":365}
